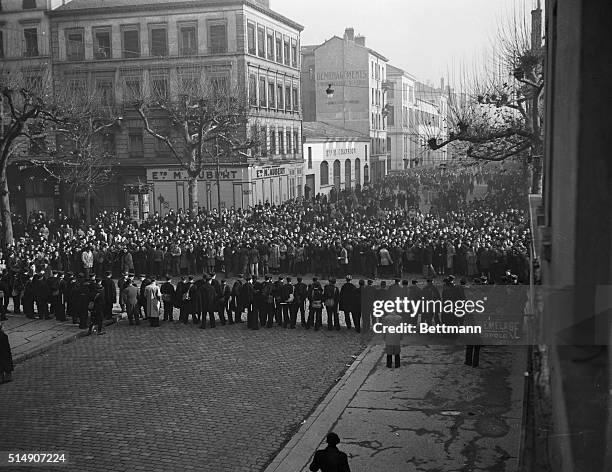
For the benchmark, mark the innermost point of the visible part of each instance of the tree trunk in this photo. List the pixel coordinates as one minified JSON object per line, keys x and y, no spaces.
{"x":88,"y":208}
{"x":193,"y":194}
{"x":536,"y":175}
{"x":5,"y":208}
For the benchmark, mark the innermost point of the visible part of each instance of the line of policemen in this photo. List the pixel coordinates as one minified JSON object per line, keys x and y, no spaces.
{"x":266,"y":302}
{"x":88,"y":301}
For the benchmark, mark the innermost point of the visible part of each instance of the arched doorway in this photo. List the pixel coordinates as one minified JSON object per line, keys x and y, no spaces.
{"x":347,"y":173}
{"x":357,"y":171}
{"x":324,"y":173}
{"x":337,"y":174}
{"x":366,"y":175}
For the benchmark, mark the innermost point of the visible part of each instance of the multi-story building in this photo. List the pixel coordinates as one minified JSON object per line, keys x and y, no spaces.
{"x":416,"y":112}
{"x":117,"y":47}
{"x":335,"y":158}
{"x":430,"y":116}
{"x":401,"y":103}
{"x":25,"y":51}
{"x":344,"y":85}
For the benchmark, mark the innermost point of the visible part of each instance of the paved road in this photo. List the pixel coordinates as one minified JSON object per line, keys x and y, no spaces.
{"x":172,"y":399}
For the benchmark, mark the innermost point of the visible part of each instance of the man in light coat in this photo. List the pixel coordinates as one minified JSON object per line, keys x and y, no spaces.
{"x":152,"y":296}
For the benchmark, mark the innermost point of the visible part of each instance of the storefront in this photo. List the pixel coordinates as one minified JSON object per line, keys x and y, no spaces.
{"x":231,"y":187}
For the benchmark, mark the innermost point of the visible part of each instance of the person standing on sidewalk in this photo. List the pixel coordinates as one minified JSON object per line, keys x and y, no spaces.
{"x":330,"y":459}
{"x":6,"y":358}
{"x":97,"y":310}
{"x":393,"y":339}
{"x":129,"y":298}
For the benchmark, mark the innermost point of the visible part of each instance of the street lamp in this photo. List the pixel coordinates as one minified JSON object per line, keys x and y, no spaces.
{"x":329,"y":91}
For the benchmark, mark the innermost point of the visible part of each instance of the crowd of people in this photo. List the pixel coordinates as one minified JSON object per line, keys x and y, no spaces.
{"x":62,"y":265}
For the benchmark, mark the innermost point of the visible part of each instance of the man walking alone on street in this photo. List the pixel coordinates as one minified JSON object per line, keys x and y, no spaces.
{"x":330,"y":459}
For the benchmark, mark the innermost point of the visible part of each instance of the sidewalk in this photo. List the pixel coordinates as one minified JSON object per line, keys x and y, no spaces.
{"x":434,"y":413}
{"x":30,"y":338}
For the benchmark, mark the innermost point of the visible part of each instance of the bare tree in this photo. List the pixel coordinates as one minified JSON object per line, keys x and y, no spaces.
{"x":206,"y":121}
{"x":25,"y":95}
{"x":498,"y":113}
{"x":83,"y":127}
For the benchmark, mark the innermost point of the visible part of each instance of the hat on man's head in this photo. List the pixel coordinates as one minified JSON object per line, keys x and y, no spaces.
{"x":349,"y":277}
{"x":332,"y":439}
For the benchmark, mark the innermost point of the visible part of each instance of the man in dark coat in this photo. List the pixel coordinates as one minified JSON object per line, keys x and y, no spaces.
{"x":331,"y":296}
{"x":268,"y":301}
{"x":347,"y":301}
{"x":209,"y":301}
{"x":146,"y":281}
{"x":6,"y":358}
{"x":55,"y":296}
{"x":168,"y":296}
{"x":110,"y":295}
{"x":301,"y":293}
{"x":330,"y":459}
{"x":129,"y":298}
{"x":40,"y":291}
{"x":98,"y":310}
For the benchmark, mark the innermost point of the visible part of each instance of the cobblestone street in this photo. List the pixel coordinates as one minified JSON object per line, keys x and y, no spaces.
{"x":172,"y":399}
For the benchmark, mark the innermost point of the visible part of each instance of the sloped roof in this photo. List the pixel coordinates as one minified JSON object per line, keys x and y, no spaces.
{"x":115,"y":6}
{"x":329,"y":132}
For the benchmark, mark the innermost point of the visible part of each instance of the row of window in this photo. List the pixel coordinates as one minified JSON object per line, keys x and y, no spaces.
{"x":275,"y":141}
{"x":271,"y":141}
{"x":29,"y":42}
{"x":266,"y":93}
{"x":378,"y":72}
{"x":131,"y":44}
{"x":378,"y":121}
{"x":271,"y":45}
{"x":377,"y":97}
{"x":159,"y":86}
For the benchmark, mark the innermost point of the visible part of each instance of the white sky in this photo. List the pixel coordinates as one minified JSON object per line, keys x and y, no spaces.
{"x":427,"y":38}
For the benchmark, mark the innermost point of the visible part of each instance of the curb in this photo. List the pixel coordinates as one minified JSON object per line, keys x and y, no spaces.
{"x":58,"y":342}
{"x":296,"y":453}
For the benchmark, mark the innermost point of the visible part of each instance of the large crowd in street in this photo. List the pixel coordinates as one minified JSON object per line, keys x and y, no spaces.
{"x":67,"y":268}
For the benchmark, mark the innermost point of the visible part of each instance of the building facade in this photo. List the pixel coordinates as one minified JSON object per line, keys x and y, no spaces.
{"x":335,"y":158}
{"x":357,"y":76}
{"x":25,"y":50}
{"x":401,"y":136}
{"x":118,"y":47}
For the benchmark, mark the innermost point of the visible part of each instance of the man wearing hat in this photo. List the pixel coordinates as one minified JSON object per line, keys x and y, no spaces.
{"x":121,"y":284}
{"x":129,"y":299}
{"x":55,"y":296}
{"x":330,"y":458}
{"x":168,"y":295}
{"x":347,"y":301}
{"x":300,"y":292}
{"x":97,"y":308}
{"x":268,"y":301}
{"x":331,"y":296}
{"x":152,"y":297}
{"x":110,"y":294}
{"x":6,"y":358}
{"x":315,"y":309}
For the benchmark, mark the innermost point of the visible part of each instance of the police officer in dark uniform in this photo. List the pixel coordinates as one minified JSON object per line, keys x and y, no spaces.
{"x":267,"y":294}
{"x":80,"y":296}
{"x":347,"y":301}
{"x":168,"y":296}
{"x":99,"y":308}
{"x":300,"y":293}
{"x":258,"y":303}
{"x":28,"y":297}
{"x":146,"y":281}
{"x":55,"y":296}
{"x":209,"y":300}
{"x":226,"y":294}
{"x":41,"y":296}
{"x":110,"y":294}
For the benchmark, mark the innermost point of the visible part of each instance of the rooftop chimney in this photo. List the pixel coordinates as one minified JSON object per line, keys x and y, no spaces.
{"x":360,"y":40}
{"x":349,"y":33}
